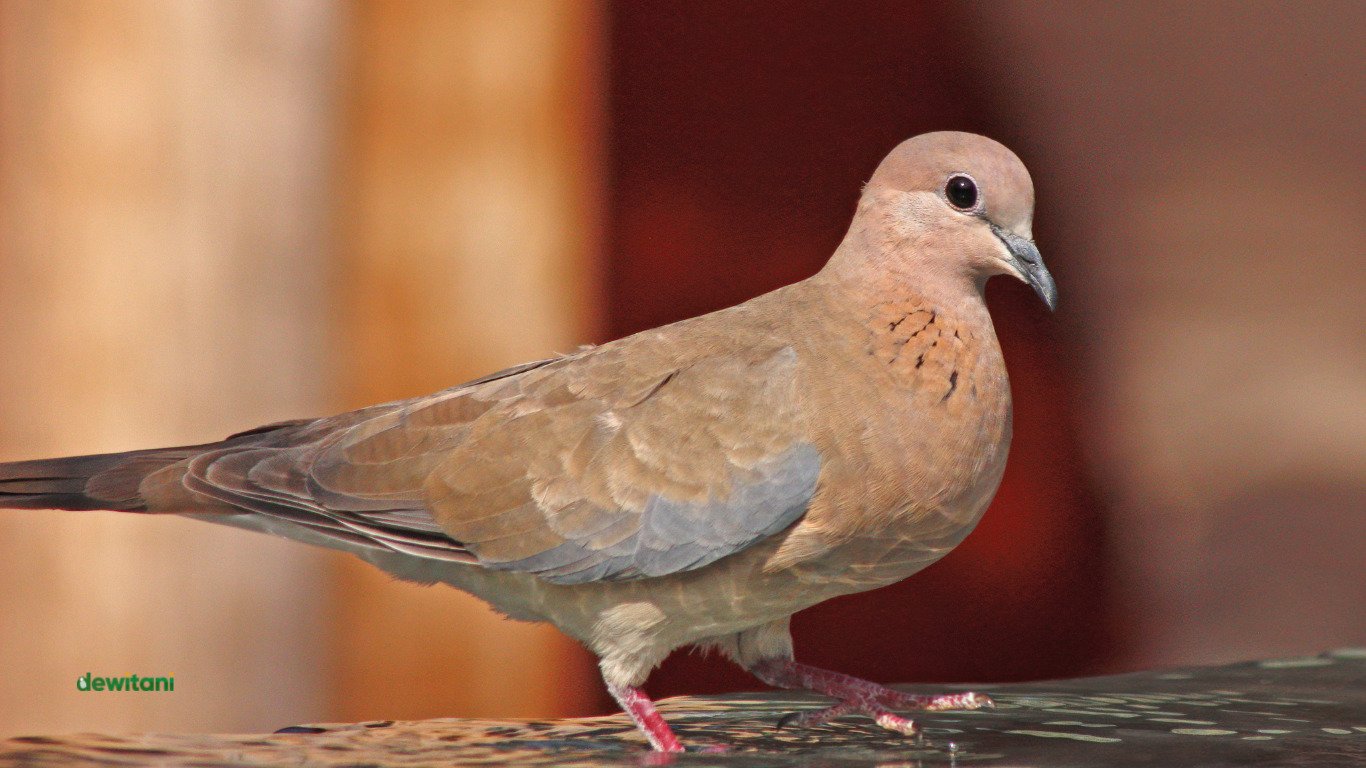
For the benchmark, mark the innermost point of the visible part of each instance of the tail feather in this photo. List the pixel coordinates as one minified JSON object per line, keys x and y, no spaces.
{"x":107,"y":480}
{"x":101,"y":481}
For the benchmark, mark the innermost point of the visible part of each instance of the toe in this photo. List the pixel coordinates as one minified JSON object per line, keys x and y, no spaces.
{"x":896,"y":723}
{"x":978,"y":701}
{"x":969,"y":700}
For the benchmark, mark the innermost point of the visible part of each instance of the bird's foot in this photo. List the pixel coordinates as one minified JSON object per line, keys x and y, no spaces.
{"x":857,"y":696}
{"x":895,"y":723}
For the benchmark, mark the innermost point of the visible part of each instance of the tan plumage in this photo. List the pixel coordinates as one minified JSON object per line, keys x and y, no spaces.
{"x":696,"y":483}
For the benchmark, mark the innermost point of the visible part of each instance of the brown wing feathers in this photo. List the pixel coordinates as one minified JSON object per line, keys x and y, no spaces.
{"x":639,"y":472}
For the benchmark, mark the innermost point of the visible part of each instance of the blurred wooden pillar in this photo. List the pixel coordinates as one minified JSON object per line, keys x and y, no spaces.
{"x":162,"y":219}
{"x":470,"y":229}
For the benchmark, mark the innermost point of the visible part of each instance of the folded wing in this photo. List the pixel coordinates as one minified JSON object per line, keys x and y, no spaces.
{"x":619,"y":462}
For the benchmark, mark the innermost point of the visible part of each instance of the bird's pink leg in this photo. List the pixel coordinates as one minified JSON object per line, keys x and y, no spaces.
{"x":856,"y":695}
{"x":647,"y":718}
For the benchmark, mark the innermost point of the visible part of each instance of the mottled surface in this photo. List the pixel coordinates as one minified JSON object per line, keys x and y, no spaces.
{"x":1288,"y":712}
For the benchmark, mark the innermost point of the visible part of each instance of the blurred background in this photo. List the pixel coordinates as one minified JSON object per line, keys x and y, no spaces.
{"x":215,"y":215}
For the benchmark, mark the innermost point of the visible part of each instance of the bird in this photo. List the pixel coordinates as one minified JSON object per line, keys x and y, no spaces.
{"x":691,"y":485}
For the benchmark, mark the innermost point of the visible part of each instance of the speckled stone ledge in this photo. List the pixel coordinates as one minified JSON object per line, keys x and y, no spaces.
{"x":1304,"y":712}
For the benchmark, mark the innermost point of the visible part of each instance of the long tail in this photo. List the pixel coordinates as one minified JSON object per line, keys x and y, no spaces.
{"x":112,"y":481}
{"x":101,"y":481}
{"x":259,"y":480}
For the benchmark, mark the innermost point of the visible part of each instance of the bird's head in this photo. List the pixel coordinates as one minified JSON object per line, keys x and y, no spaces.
{"x":952,"y":205}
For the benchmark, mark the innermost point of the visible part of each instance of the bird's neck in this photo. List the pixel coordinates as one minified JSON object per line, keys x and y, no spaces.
{"x":871,"y":269}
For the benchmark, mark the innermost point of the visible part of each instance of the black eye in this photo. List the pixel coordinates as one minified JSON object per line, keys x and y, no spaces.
{"x":961,"y":192}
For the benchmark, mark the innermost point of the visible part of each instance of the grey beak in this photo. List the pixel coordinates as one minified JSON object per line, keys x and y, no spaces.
{"x":1027,"y":259}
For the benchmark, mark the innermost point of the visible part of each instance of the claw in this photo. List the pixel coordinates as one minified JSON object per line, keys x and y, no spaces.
{"x":978,"y":701}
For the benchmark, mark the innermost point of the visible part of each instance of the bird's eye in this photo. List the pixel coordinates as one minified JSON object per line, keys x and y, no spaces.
{"x":961,"y":192}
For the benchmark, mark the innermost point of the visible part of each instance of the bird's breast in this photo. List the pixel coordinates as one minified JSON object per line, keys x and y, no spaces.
{"x":916,"y":446}
{"x":947,"y":407}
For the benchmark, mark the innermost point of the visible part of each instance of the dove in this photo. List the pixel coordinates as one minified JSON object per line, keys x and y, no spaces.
{"x":691,"y":485}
